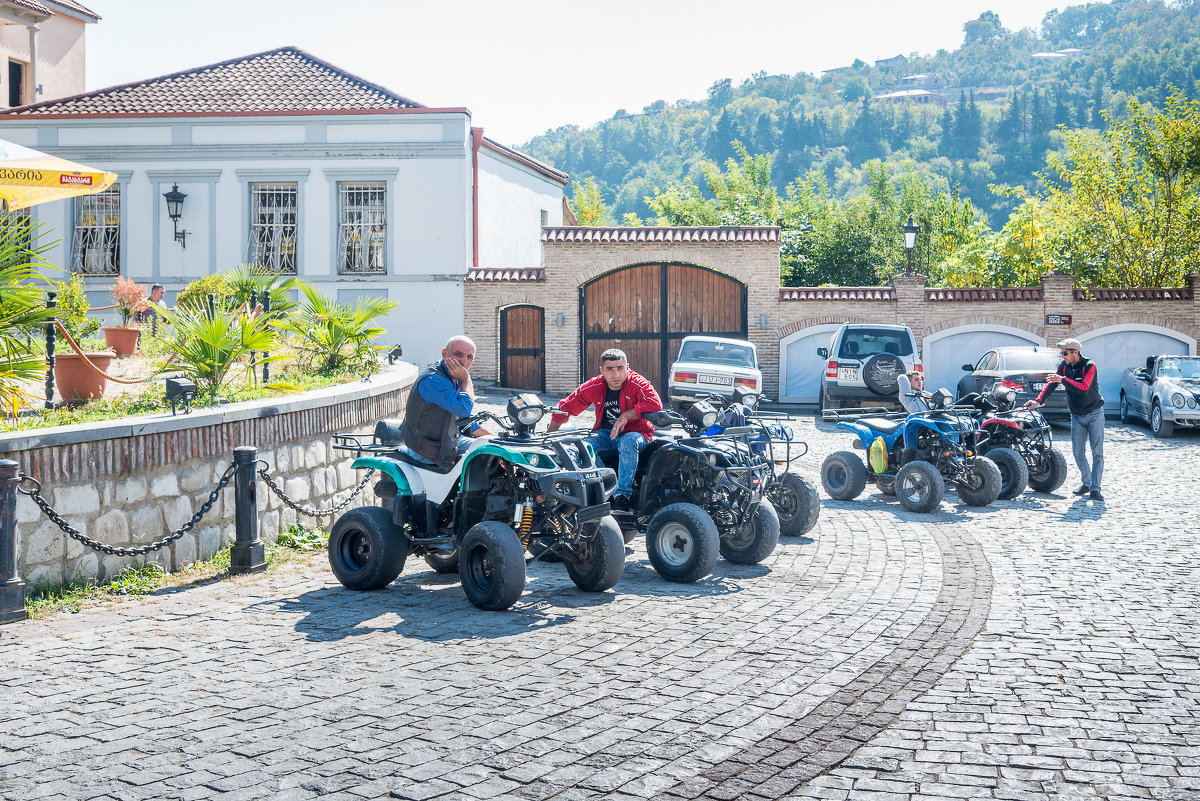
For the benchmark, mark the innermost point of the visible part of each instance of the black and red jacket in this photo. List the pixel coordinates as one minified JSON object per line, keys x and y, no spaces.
{"x":1082,"y":386}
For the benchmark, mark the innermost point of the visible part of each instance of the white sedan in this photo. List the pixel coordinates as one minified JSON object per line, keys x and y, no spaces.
{"x":1165,"y":393}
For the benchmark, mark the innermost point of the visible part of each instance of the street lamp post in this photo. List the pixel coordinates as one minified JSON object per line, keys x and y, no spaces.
{"x":911,"y":229}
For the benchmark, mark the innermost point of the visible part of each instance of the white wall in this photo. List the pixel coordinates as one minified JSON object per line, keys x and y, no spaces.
{"x":511,"y":199}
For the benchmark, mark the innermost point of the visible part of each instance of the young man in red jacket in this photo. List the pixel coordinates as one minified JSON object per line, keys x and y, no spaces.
{"x":619,"y":397}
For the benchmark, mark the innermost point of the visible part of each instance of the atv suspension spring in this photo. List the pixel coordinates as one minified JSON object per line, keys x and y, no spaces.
{"x":525,"y":526}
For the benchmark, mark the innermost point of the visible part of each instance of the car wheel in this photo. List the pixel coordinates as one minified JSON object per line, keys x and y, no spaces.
{"x":1014,"y":473}
{"x":843,"y":475}
{"x":880,"y":371}
{"x":1124,"y":408}
{"x":1159,"y":424}
{"x":491,"y":564}
{"x":756,"y":539}
{"x":366,"y":549}
{"x":603,"y":558}
{"x":981,"y":484}
{"x":1050,"y":472}
{"x":443,"y":561}
{"x":796,"y":502}
{"x":682,"y":542}
{"x":919,"y":486}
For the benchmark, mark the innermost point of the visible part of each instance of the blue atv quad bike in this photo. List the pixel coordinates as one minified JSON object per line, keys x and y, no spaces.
{"x":514,"y":492}
{"x":913,"y":457}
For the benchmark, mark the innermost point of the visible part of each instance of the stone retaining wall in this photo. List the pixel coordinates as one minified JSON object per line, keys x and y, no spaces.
{"x":131,"y":482}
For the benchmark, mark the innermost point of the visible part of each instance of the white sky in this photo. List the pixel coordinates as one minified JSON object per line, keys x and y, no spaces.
{"x":523,"y":67}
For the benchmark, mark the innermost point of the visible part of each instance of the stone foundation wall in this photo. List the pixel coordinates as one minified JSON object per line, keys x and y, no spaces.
{"x":131,"y":482}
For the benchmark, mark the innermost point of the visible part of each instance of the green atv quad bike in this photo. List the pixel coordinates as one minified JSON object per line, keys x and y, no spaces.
{"x":510,"y":493}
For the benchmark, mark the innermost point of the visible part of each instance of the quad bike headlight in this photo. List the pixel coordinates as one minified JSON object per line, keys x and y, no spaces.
{"x":745,"y":397}
{"x":526,"y":409}
{"x":1004,"y":394}
{"x":702,"y":414}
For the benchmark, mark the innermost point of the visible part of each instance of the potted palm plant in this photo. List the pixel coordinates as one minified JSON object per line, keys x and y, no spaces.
{"x":131,"y":299}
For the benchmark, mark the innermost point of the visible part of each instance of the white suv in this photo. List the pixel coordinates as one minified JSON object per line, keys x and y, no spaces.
{"x":863,"y":361}
{"x":712,"y":366}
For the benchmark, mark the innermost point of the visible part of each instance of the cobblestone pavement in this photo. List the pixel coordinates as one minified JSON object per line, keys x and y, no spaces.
{"x":1039,"y":648}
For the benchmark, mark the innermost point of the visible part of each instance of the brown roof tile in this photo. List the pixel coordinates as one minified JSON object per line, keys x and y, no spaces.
{"x":71,"y":5}
{"x":1134,"y":293}
{"x":790,"y":293}
{"x":508,"y":274}
{"x":723,"y":233}
{"x":283,"y":80}
{"x":982,"y":293}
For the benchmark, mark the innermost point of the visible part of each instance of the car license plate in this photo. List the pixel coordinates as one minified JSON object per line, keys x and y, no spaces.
{"x":724,"y":380}
{"x":847,"y":374}
{"x":1038,"y":387}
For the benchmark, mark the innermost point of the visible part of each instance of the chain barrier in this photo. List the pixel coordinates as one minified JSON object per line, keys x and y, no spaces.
{"x":305,"y":510}
{"x":79,"y":351}
{"x":34,"y":493}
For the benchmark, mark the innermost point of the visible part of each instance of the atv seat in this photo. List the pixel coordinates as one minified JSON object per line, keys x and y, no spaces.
{"x":403,"y":455}
{"x":882,"y":425}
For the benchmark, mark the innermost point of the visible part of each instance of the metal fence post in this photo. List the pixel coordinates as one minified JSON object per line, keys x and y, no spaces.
{"x":12,"y":589}
{"x":266,"y":314}
{"x":51,"y":302}
{"x":253,"y":304}
{"x":212,"y":306}
{"x":247,"y":554}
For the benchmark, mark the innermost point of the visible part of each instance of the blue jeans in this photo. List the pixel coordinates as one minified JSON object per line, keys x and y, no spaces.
{"x":1085,"y":429}
{"x":624,"y":450}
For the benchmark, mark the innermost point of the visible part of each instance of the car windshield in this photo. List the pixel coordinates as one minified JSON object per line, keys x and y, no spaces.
{"x":726,"y":353}
{"x":1031,"y":361}
{"x":1179,"y":367}
{"x":859,"y":343}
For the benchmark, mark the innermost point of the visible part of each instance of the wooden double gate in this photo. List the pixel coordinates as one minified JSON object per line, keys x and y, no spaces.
{"x":647,"y":309}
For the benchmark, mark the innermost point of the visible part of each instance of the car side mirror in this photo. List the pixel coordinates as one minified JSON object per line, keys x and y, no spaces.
{"x":969,"y":368}
{"x":823,"y":353}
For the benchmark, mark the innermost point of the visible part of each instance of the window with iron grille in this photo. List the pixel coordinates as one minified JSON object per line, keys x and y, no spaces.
{"x":273,"y":226}
{"x":96,"y":246}
{"x":362,"y":228}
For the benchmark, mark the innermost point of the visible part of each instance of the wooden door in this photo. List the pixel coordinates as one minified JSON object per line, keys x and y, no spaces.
{"x":523,"y":348}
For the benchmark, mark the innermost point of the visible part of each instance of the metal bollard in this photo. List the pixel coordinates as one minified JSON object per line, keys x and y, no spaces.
{"x":12,"y":589}
{"x":247,"y":554}
{"x":51,"y":303}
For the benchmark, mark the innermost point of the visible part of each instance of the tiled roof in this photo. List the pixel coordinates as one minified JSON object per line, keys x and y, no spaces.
{"x":837,"y":293}
{"x":283,"y":80}
{"x":723,"y":233}
{"x":982,"y":293}
{"x":1134,"y":293}
{"x":509,"y":274}
{"x":71,"y":5}
{"x":32,"y":5}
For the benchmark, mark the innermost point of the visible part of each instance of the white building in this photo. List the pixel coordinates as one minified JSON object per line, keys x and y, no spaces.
{"x":42,"y":49}
{"x":290,"y":162}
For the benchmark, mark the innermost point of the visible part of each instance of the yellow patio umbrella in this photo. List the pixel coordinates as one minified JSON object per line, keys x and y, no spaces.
{"x":29,"y":177}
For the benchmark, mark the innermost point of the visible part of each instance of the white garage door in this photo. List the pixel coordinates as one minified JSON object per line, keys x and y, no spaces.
{"x":800,"y":368}
{"x":1115,"y":350}
{"x":946,"y":352}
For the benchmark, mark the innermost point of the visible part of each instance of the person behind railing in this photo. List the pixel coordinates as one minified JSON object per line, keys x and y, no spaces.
{"x":913,"y":396}
{"x":148,"y":314}
{"x":442,"y":394}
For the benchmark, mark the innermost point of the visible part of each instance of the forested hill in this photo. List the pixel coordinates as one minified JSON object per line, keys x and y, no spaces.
{"x":1007,"y":91}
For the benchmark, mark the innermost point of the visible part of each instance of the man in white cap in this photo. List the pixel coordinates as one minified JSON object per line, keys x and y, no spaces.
{"x":1078,"y":377}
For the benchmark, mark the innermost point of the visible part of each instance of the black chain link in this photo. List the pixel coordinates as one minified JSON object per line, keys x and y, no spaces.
{"x":36,"y":496}
{"x":305,"y":510}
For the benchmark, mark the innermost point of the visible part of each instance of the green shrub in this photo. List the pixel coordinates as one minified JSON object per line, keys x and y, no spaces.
{"x":194,"y":296}
{"x":73,"y":308}
{"x":331,"y":336}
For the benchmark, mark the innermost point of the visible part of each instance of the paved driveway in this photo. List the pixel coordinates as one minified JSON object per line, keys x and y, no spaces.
{"x":1038,"y":648}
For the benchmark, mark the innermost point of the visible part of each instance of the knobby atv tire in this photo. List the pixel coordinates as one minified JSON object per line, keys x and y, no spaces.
{"x":1050,"y":474}
{"x":756,"y":539}
{"x":491,"y":564}
{"x":601,"y":570}
{"x":797,"y":505}
{"x":443,"y":561}
{"x":981,"y":485}
{"x":843,"y":475}
{"x":682,"y":543}
{"x":919,"y":486}
{"x":1014,"y":473}
{"x":366,"y":549}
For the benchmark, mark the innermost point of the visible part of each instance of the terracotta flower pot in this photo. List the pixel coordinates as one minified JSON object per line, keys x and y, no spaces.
{"x":122,"y":341}
{"x":76,"y":381}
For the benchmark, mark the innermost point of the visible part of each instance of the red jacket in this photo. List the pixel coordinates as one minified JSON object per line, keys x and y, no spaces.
{"x":636,"y":393}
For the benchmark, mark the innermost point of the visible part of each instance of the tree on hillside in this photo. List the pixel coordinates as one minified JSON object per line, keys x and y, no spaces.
{"x":984,"y":30}
{"x":588,"y":203}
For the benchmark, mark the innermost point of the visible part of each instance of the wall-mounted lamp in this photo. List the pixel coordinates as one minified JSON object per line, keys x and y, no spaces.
{"x":559,"y":320}
{"x":175,"y":211}
{"x":762,"y":321}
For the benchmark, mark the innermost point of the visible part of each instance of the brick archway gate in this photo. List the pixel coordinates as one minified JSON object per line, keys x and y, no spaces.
{"x":647,"y":309}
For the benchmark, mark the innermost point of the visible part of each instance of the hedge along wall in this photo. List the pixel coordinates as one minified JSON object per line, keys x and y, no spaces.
{"x":131,"y":482}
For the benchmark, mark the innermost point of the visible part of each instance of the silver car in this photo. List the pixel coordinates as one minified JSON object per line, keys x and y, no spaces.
{"x":1165,"y":393}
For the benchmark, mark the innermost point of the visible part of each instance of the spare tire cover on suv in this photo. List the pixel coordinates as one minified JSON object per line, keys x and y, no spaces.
{"x":880,"y":371}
